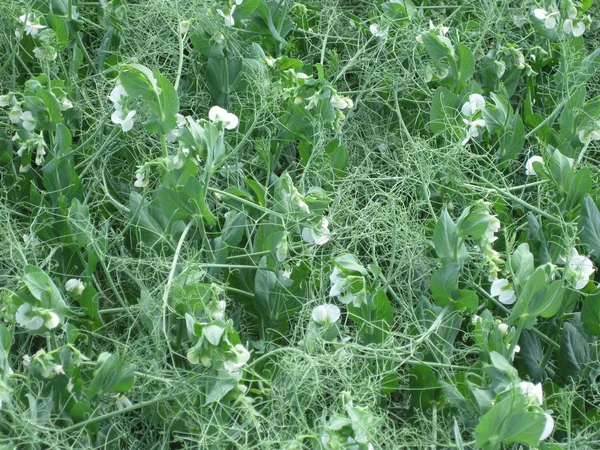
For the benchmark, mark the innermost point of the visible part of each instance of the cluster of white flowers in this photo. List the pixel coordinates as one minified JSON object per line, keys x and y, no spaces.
{"x":34,"y":318}
{"x":228,"y":17}
{"x":572,"y":24}
{"x":317,"y":235}
{"x":326,"y":314}
{"x":340,"y":288}
{"x":470,"y":110}
{"x":121,"y":116}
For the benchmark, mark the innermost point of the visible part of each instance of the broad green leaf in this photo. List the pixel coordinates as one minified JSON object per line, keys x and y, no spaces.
{"x":573,"y":353}
{"x":466,"y":62}
{"x":444,"y":109}
{"x":474,"y":224}
{"x":521,"y":263}
{"x":561,"y":170}
{"x":111,"y":375}
{"x":444,"y":283}
{"x":512,"y":140}
{"x":374,"y":322}
{"x":220,"y":385}
{"x":521,"y":311}
{"x":79,"y":223}
{"x":580,"y":186}
{"x":548,"y":302}
{"x":590,"y":314}
{"x":589,"y":227}
{"x":349,"y":263}
{"x":89,"y":305}
{"x":448,"y":245}
{"x":81,"y":412}
{"x":42,"y":287}
{"x":424,"y":387}
{"x":61,"y":28}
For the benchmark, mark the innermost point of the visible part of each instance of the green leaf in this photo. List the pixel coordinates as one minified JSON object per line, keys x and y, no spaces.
{"x":466,"y":63}
{"x":561,"y":170}
{"x":512,"y":140}
{"x":573,"y":352}
{"x":61,"y":28}
{"x":589,"y":227}
{"x":444,"y":283}
{"x":349,"y":263}
{"x":444,"y":109}
{"x":448,"y":245}
{"x":79,"y":223}
{"x":44,"y":290}
{"x":81,"y":412}
{"x":174,"y":205}
{"x":522,"y":265}
{"x":474,"y":224}
{"x":521,"y":311}
{"x":89,"y":305}
{"x":590,"y":314}
{"x":374,"y":322}
{"x":580,"y":186}
{"x":424,"y":386}
{"x":220,"y":385}
{"x":111,"y":375}
{"x":169,"y":102}
{"x":547,"y":303}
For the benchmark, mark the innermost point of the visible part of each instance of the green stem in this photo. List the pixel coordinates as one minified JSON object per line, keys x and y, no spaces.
{"x":168,"y":286}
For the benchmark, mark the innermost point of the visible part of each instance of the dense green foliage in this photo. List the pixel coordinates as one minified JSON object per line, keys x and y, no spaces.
{"x":312,"y":224}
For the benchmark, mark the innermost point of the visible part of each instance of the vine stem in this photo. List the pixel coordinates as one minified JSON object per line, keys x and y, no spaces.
{"x":170,"y":282}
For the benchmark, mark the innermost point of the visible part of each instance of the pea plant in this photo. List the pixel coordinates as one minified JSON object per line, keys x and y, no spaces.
{"x":278,"y":224}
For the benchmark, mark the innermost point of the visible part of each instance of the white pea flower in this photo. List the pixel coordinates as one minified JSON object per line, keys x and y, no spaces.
{"x":26,"y":360}
{"x":318,"y":236}
{"x":172,"y":135}
{"x":27,"y":120}
{"x":184,"y":26}
{"x":340,"y":102}
{"x":533,"y":391}
{"x":338,"y":284}
{"x":377,"y":31}
{"x":529,"y":170}
{"x":52,"y":320}
{"x":5,"y":100}
{"x":475,"y":104}
{"x":476,"y":319}
{"x":474,"y":129}
{"x":229,"y":20}
{"x":32,"y":27}
{"x":140,"y":177}
{"x":126,"y":121}
{"x":502,"y":289}
{"x":24,"y":169}
{"x":39,"y":154}
{"x":503,"y":328}
{"x":70,"y":385}
{"x":548,"y":18}
{"x":58,"y":369}
{"x":123,"y":402}
{"x":31,"y":239}
{"x":15,"y":114}
{"x":75,"y":285}
{"x":500,"y":68}
{"x":492,"y":229}
{"x":579,"y":268}
{"x":325,"y":314}
{"x":118,"y":94}
{"x":575,"y":28}
{"x":589,"y":134}
{"x":548,"y":427}
{"x":27,"y":319}
{"x":65,"y":104}
{"x":241,"y":357}
{"x":218,"y":114}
